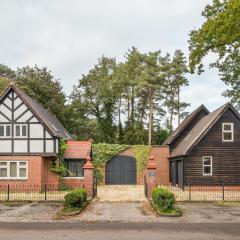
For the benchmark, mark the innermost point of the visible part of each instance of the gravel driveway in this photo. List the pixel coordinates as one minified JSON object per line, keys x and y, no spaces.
{"x":123,"y":212}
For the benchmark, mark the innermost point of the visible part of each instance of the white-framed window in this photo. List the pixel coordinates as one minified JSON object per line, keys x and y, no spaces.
{"x":227,"y":132}
{"x":207,"y":166}
{"x":20,"y":130}
{"x":13,"y":169}
{"x":5,"y":130}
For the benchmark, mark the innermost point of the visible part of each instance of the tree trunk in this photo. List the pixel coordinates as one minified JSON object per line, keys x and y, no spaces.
{"x":178,"y":102}
{"x":150,"y":119}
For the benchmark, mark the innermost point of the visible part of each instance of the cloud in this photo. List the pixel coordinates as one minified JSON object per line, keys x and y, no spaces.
{"x":68,"y":36}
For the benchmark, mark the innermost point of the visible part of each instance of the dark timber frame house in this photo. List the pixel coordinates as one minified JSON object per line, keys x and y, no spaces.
{"x":205,"y":148}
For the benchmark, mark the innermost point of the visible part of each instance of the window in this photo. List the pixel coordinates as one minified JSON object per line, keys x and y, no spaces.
{"x":21,"y":130}
{"x":227,"y":132}
{"x":13,"y":170}
{"x":5,"y":130}
{"x":75,"y":167}
{"x":207,"y":166}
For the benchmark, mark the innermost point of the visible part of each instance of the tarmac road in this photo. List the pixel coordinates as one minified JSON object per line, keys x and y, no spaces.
{"x":131,"y":231}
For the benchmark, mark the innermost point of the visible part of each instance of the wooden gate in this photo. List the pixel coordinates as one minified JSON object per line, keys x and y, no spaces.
{"x":121,"y":170}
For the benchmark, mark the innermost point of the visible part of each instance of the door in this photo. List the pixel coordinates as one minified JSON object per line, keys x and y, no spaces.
{"x":173,"y":173}
{"x":121,"y":170}
{"x":180,"y":173}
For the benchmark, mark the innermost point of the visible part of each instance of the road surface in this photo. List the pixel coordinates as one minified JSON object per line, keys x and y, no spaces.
{"x":131,"y":231}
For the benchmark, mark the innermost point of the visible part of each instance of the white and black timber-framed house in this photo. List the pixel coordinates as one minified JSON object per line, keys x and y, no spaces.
{"x":204,"y":149}
{"x":26,"y":127}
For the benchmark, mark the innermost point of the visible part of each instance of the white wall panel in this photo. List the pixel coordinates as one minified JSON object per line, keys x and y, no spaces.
{"x":3,"y":119}
{"x":57,"y":146}
{"x":20,"y":146}
{"x":17,"y":102}
{"x":25,"y":117}
{"x":47,"y":134}
{"x":49,"y":146}
{"x":5,"y":146}
{"x":36,"y":131}
{"x":19,"y":111}
{"x":34,"y":120}
{"x":36,"y":146}
{"x":8,"y":102}
{"x":6,"y":111}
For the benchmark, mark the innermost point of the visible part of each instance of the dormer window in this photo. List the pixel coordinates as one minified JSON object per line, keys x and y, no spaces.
{"x":227,"y":132}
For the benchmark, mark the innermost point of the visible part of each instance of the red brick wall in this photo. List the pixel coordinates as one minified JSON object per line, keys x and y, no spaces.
{"x":160,"y":154}
{"x":35,"y":169}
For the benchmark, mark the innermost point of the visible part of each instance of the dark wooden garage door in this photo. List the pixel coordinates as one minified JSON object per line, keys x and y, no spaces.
{"x":180,"y":173}
{"x":121,"y":170}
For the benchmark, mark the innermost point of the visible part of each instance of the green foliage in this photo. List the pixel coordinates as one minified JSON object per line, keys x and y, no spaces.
{"x":219,"y":34}
{"x":141,"y":153}
{"x":40,"y":84}
{"x":102,"y":153}
{"x":163,"y":198}
{"x":3,"y":83}
{"x":75,"y":199}
{"x":59,"y":168}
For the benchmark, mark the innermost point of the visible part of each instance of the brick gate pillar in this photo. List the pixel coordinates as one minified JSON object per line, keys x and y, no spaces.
{"x":151,"y":178}
{"x":88,"y":175}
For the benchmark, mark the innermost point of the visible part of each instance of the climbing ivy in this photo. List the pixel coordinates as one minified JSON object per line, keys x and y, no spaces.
{"x":141,"y":153}
{"x":102,"y":153}
{"x":60,"y":169}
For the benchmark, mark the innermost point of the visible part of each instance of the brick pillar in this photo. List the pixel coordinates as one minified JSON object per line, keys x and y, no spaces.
{"x":88,"y":175}
{"x":151,"y":178}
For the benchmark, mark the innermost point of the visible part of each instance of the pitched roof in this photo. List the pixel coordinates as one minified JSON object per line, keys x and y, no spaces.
{"x":78,"y":149}
{"x":199,"y":130}
{"x":47,"y":118}
{"x":182,"y":126}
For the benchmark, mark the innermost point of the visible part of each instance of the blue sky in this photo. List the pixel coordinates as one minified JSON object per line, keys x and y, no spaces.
{"x":68,"y":36}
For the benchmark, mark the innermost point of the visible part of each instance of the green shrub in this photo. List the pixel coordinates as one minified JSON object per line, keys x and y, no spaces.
{"x":163,"y":198}
{"x":75,"y":199}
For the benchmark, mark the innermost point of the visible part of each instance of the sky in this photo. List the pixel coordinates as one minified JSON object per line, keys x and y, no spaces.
{"x":68,"y":36}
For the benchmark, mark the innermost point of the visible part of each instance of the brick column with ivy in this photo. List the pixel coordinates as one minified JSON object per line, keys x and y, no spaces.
{"x":151,"y":178}
{"x":88,"y":175}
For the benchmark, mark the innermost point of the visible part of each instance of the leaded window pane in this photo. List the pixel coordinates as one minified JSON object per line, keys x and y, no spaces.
{"x":24,"y":131}
{"x":75,"y":167}
{"x":2,"y":131}
{"x":8,"y":131}
{"x":17,"y":131}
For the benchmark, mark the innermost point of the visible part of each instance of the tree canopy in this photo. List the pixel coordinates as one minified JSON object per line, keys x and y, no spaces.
{"x":219,"y":34}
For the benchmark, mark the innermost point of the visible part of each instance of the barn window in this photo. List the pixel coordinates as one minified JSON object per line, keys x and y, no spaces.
{"x":74,"y":167}
{"x":5,"y":130}
{"x":13,"y":169}
{"x":207,"y":166}
{"x":227,"y":132}
{"x":21,"y":130}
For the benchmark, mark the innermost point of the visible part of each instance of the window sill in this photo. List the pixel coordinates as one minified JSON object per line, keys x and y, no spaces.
{"x":13,"y":179}
{"x":80,"y":178}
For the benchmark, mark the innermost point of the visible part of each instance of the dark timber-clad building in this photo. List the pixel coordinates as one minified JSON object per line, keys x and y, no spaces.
{"x":205,"y":148}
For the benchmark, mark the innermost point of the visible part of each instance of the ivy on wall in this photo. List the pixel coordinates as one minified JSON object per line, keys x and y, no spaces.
{"x":141,"y":153}
{"x":102,"y":153}
{"x":59,"y":168}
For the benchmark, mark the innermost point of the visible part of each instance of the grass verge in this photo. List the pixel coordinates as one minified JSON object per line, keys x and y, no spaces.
{"x":69,"y":212}
{"x":175,"y":212}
